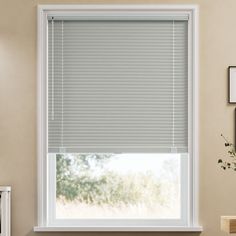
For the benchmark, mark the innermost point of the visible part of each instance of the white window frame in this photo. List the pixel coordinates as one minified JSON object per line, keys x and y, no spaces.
{"x":46,"y":220}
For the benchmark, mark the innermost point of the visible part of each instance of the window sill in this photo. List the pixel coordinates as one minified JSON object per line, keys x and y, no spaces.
{"x":115,"y":228}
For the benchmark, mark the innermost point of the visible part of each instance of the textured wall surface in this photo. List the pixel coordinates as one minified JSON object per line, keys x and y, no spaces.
{"x":18,"y":162}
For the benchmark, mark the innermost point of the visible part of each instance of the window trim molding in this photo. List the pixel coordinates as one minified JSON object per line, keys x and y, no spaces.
{"x":193,"y":34}
{"x":119,"y":229}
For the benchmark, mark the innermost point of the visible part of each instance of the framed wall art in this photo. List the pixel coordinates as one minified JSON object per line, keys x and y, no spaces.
{"x":232,"y":84}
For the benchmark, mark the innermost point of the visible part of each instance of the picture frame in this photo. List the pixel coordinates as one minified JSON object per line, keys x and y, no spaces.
{"x":232,"y":84}
{"x":234,"y":127}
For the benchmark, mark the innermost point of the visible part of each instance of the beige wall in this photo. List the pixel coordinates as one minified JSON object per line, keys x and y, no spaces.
{"x":18,"y":110}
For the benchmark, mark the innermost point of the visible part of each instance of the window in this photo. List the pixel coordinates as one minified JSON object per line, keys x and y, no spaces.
{"x":117,"y":117}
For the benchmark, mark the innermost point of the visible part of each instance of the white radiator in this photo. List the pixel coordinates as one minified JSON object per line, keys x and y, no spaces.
{"x":5,"y":206}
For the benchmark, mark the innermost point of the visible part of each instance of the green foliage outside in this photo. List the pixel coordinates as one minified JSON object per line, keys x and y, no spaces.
{"x":82,"y":177}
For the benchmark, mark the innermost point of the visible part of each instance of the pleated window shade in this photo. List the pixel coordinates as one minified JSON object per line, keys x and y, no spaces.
{"x":117,"y":86}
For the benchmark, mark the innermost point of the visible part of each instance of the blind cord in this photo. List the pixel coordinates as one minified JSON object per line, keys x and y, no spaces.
{"x":52,"y":112}
{"x":62,"y":83}
{"x":173,"y":84}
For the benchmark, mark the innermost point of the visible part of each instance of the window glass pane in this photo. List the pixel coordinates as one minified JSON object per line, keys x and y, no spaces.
{"x":134,"y":185}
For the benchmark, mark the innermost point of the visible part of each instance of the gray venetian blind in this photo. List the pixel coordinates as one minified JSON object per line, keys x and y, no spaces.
{"x":117,"y":86}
